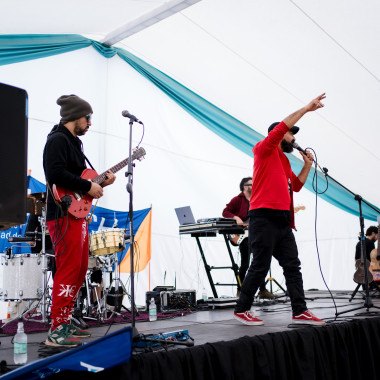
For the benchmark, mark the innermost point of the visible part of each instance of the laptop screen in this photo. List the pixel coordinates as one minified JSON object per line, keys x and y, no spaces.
{"x":185,"y":215}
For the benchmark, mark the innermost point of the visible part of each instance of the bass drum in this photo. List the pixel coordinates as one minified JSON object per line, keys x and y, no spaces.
{"x":21,"y":277}
{"x":107,"y":242}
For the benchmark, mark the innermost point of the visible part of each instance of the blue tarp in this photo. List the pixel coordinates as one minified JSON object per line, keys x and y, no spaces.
{"x":103,"y":353}
{"x":111,"y":217}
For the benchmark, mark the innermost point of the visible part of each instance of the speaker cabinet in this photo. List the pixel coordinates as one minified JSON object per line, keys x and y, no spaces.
{"x":13,"y":155}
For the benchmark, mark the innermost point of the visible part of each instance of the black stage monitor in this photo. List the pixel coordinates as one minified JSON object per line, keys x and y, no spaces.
{"x":13,"y":155}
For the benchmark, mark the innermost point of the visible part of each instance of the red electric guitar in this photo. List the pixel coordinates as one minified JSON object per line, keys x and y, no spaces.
{"x":80,"y":205}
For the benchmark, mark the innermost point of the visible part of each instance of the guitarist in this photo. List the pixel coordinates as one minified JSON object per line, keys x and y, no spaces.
{"x":371,"y":236}
{"x":64,"y":161}
{"x":237,"y":209}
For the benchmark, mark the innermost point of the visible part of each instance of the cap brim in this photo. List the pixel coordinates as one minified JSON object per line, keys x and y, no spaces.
{"x":294,"y":129}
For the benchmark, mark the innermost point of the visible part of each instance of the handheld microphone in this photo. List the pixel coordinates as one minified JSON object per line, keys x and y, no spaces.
{"x":296,"y":146}
{"x":125,"y":113}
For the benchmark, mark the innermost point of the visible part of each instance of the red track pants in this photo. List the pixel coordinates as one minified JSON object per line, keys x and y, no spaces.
{"x":71,"y":257}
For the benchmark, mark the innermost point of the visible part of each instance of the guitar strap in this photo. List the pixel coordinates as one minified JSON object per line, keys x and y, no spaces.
{"x":290,"y":188}
{"x":88,"y":161}
{"x":55,"y":130}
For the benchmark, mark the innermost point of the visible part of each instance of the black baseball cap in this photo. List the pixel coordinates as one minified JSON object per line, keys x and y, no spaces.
{"x":293,"y":129}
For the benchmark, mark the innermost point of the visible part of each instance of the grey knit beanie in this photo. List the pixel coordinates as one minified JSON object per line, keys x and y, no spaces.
{"x":73,"y":107}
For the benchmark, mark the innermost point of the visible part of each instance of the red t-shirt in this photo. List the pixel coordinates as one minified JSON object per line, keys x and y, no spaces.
{"x":272,"y":173}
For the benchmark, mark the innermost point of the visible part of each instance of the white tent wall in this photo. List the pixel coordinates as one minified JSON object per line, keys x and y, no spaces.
{"x":186,"y":164}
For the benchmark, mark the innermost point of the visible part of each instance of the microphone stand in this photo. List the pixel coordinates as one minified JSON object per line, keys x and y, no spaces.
{"x":367,"y":299}
{"x":129,"y":174}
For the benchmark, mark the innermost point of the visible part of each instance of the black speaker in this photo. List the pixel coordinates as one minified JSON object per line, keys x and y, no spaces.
{"x":13,"y":155}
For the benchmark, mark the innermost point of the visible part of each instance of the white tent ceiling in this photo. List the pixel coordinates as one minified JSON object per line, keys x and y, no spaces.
{"x":258,"y":61}
{"x":106,"y":21}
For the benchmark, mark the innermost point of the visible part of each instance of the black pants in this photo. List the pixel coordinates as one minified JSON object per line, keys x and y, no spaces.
{"x":270,"y":234}
{"x":244,"y":262}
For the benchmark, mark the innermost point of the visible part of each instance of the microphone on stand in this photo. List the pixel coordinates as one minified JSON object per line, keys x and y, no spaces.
{"x":125,"y":113}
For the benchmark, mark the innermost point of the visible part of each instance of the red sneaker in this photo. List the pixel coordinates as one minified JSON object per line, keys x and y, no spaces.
{"x":308,"y":318}
{"x":248,"y":318}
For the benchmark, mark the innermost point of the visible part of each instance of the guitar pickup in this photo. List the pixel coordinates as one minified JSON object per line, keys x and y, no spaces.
{"x":77,"y":196}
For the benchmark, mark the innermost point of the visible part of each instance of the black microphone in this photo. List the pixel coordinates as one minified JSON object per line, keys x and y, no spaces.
{"x":125,"y":113}
{"x":296,"y":146}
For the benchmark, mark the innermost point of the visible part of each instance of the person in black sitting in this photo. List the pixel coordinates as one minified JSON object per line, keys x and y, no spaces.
{"x":371,"y":236}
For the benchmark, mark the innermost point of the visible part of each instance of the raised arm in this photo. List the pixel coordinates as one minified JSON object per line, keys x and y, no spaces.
{"x":312,"y":106}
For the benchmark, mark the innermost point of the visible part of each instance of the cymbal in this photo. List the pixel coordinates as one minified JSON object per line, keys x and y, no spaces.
{"x":40,"y":197}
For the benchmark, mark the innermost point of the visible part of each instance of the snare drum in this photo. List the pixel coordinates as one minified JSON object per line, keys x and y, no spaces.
{"x":107,"y":241}
{"x":21,"y":277}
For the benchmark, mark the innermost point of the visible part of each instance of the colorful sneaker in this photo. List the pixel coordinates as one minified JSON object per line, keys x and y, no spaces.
{"x":61,"y":337}
{"x":78,"y":332}
{"x":266,"y":294}
{"x":308,"y":318}
{"x":248,"y":318}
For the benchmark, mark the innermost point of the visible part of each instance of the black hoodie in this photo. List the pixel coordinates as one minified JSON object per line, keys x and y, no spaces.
{"x":64,"y":162}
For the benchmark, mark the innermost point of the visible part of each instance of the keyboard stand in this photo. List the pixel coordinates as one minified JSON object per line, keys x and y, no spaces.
{"x":211,"y":231}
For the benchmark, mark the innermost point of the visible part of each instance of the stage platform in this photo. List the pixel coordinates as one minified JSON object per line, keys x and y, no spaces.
{"x":218,"y":326}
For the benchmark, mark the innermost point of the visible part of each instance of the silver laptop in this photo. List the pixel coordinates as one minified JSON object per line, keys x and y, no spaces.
{"x":185,"y":215}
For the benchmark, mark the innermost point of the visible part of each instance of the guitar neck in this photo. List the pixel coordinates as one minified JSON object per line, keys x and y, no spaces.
{"x":102,"y":177}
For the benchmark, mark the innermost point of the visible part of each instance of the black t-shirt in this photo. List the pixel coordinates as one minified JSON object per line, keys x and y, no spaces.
{"x":369,"y":246}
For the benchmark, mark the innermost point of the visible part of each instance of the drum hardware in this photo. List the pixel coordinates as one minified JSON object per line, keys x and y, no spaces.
{"x":77,"y":318}
{"x":28,"y":309}
{"x":114,"y":295}
{"x":84,"y":308}
{"x":42,"y":220}
{"x":90,"y":309}
{"x":25,"y":276}
{"x":96,"y":306}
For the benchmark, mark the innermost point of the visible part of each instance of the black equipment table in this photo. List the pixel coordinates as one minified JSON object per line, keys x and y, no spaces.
{"x":211,"y":229}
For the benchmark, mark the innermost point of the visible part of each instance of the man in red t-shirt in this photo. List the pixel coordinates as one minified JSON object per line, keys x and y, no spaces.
{"x":237,"y":209}
{"x":271,"y":218}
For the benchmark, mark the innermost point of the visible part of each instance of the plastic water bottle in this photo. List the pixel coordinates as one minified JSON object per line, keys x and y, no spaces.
{"x":204,"y":295}
{"x":20,"y":345}
{"x":152,"y":310}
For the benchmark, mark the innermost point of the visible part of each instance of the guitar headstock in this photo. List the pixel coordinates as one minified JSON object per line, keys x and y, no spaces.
{"x":138,"y":154}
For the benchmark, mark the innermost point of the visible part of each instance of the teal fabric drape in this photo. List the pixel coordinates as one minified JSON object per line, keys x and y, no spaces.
{"x":18,"y":48}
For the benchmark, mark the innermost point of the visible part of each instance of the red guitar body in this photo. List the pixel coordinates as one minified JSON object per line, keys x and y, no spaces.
{"x":80,"y":203}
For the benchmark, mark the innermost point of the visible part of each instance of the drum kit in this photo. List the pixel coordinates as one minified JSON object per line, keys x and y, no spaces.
{"x":26,"y":278}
